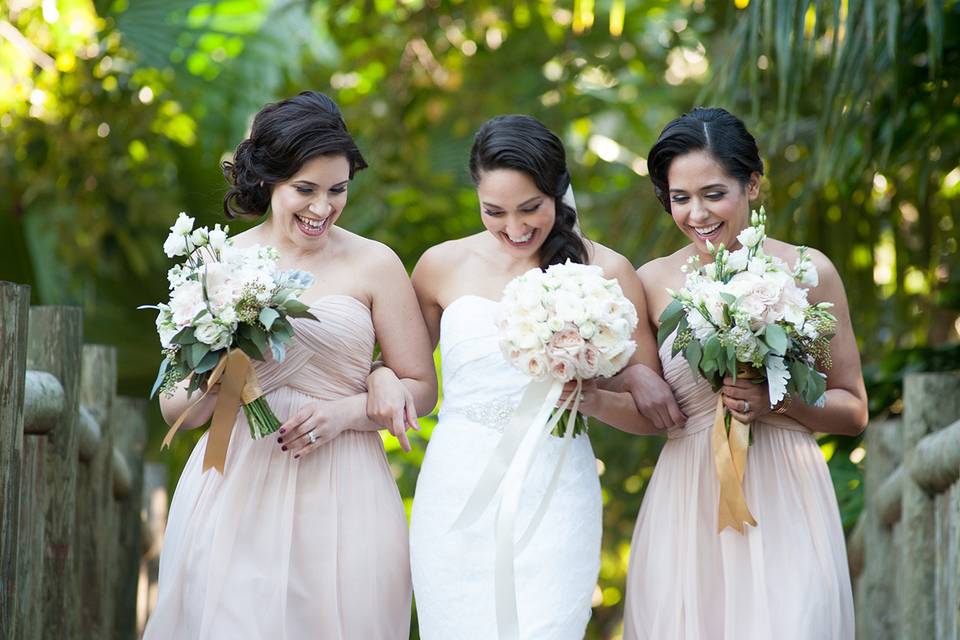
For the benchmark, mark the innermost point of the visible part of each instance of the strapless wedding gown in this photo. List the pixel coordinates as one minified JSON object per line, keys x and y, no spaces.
{"x":786,"y":578}
{"x":284,"y":549}
{"x":453,"y":571}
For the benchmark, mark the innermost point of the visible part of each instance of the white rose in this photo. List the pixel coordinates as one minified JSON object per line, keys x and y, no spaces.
{"x":588,"y":362}
{"x":214,"y":334}
{"x":555,"y":323}
{"x":587,"y":330}
{"x":563,"y":367}
{"x":186,"y":302}
{"x":227,"y":315}
{"x":524,"y":335}
{"x":534,"y":364}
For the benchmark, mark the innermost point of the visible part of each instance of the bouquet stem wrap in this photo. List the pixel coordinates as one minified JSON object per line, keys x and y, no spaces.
{"x":730,"y":457}
{"x":238,"y":386}
{"x":508,"y":467}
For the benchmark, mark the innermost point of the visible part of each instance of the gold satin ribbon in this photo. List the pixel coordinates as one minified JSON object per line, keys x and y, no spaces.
{"x":730,"y":456}
{"x":238,"y":386}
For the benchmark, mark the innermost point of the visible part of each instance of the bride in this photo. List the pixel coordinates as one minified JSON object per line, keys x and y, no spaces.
{"x":519,"y":169}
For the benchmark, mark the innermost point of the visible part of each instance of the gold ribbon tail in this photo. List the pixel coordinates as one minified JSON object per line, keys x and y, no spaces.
{"x":730,"y":457}
{"x":214,"y":377}
{"x":236,"y":380}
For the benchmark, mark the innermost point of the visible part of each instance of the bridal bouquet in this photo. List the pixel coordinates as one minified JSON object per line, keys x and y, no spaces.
{"x":566,"y":323}
{"x":746,"y":314}
{"x":227,"y":305}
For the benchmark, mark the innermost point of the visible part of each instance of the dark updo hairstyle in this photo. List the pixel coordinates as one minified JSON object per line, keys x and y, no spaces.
{"x":524,"y":144}
{"x":284,"y":136}
{"x":714,"y":130}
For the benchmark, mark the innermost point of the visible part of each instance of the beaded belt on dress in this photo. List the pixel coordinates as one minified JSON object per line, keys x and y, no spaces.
{"x":494,"y":414}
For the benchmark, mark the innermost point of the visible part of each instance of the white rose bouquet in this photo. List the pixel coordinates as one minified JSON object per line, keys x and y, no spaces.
{"x":748,"y":313}
{"x":226,"y":303}
{"x":566,"y":323}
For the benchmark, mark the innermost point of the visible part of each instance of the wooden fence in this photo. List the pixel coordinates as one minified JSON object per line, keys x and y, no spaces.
{"x":905,"y":551}
{"x":71,"y":478}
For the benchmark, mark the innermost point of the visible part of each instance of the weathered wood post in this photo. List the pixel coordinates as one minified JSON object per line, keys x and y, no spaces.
{"x":931,"y":401}
{"x":14,"y":318}
{"x":130,"y":440}
{"x":43,"y":403}
{"x":96,"y":533}
{"x":54,"y":346}
{"x":877,"y":605}
{"x":155,"y":505}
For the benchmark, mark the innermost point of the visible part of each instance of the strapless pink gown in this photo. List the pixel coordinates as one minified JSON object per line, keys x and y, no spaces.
{"x":786,"y":578}
{"x":284,"y":549}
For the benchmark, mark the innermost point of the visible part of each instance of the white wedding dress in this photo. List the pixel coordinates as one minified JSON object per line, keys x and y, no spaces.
{"x":453,"y":570}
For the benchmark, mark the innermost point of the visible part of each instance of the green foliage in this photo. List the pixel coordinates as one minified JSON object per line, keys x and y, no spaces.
{"x":116,"y":113}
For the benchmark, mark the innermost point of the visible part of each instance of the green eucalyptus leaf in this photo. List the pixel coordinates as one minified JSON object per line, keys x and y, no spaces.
{"x":268,"y":316}
{"x":776,"y":339}
{"x":669,"y":320}
{"x":160,"y":376}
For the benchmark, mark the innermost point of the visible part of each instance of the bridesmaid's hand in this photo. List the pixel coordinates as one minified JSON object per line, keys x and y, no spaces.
{"x":320,"y":421}
{"x":653,"y":397}
{"x":746,"y":394}
{"x":390,"y":405}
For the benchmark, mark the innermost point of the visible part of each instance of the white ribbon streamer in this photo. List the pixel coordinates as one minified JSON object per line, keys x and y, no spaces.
{"x":509,"y":466}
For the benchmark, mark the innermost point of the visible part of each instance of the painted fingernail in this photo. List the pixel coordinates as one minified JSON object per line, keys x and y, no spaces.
{"x":280,"y":440}
{"x":282,"y":431}
{"x":283,"y":448}
{"x":296,"y":456}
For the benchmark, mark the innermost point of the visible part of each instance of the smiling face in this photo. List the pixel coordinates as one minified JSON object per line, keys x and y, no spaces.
{"x":515,"y":211}
{"x":306,"y":206}
{"x":707,"y":203}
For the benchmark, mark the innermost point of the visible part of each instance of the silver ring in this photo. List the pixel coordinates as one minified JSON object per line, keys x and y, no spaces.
{"x":312,"y":437}
{"x":746,"y":406}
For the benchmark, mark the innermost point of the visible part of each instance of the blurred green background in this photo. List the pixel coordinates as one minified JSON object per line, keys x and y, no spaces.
{"x":114,"y":116}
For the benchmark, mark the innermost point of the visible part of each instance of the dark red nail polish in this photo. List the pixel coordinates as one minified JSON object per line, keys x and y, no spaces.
{"x":280,"y":440}
{"x":283,"y":448}
{"x":282,"y":431}
{"x":296,"y":456}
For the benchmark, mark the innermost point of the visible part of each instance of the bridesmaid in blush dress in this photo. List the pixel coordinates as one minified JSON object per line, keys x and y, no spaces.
{"x":304,"y":535}
{"x":787,"y":577}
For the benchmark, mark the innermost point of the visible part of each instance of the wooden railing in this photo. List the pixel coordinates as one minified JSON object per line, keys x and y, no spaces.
{"x":71,"y":478}
{"x":905,"y":550}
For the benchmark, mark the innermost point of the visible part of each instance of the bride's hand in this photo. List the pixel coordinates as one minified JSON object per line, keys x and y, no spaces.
{"x":587,"y":387}
{"x":313,"y":426}
{"x":653,"y":397}
{"x":390,"y":405}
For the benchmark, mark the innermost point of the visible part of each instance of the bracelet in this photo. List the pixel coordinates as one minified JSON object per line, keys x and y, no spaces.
{"x":783,"y":405}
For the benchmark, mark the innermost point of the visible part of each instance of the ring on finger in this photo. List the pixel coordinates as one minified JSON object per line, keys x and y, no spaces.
{"x":746,"y":406}
{"x":312,"y":437}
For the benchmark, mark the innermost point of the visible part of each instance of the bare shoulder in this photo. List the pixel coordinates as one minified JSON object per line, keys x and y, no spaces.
{"x":371,"y":255}
{"x":664,"y":268}
{"x":447,"y":254}
{"x":612,"y":263}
